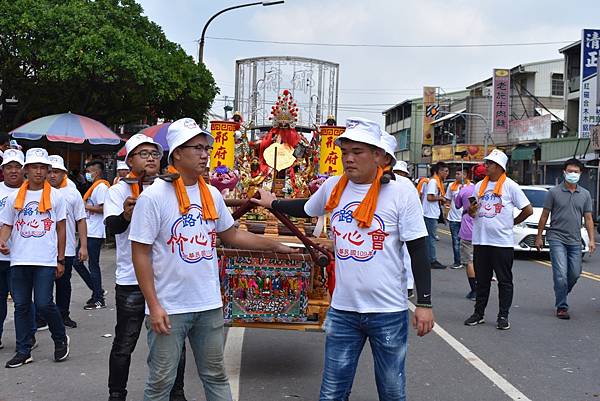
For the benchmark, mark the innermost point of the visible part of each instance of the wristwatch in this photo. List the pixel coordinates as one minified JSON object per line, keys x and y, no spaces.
{"x":60,"y":261}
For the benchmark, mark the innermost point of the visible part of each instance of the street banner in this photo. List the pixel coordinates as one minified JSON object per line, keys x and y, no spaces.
{"x":223,"y":153}
{"x":589,"y":111}
{"x":531,"y":129}
{"x":500,"y":101}
{"x":448,"y":153}
{"x":429,"y":114}
{"x":330,"y":161}
{"x":595,"y":137}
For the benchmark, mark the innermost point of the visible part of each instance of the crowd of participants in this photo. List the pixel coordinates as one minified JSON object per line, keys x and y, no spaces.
{"x":166,"y":275}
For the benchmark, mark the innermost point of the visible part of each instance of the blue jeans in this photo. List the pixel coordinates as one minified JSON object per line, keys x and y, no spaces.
{"x":93,"y":276}
{"x":431,"y":225}
{"x":205,"y":333}
{"x":346,"y":334}
{"x":40,"y":280}
{"x":566,"y":268}
{"x":63,"y":288}
{"x":454,"y":229}
{"x":4,"y":289}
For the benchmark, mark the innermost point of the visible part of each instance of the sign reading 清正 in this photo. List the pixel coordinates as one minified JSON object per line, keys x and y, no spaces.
{"x":589,"y":111}
{"x":330,"y":161}
{"x":501,"y":101}
{"x":223,"y":153}
{"x":429,"y":114}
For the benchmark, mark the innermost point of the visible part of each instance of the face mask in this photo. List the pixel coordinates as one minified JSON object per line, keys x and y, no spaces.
{"x":89,"y":177}
{"x":572,"y":178}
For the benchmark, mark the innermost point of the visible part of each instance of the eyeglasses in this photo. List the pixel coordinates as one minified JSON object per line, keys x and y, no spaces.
{"x":144,"y":154}
{"x":199,"y":148}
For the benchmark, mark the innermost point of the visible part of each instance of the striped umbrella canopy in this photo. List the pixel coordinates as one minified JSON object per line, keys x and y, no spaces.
{"x":156,"y":132}
{"x":67,"y":128}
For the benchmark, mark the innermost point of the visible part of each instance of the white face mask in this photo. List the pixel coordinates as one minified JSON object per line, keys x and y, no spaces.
{"x":572,"y":178}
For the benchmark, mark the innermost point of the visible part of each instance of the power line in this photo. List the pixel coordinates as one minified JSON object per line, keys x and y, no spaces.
{"x":395,"y":46}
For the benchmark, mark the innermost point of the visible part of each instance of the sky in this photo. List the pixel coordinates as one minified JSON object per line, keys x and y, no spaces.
{"x":373,"y":79}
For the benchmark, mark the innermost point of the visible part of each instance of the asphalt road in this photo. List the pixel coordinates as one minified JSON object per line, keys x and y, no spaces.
{"x":539,"y":358}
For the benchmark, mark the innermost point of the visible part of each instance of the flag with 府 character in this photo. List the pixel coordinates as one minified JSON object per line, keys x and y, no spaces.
{"x":330,"y":161}
{"x":223,"y":153}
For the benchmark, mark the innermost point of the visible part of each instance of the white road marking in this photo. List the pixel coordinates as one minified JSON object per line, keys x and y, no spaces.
{"x":233,"y":359}
{"x":481,"y":366}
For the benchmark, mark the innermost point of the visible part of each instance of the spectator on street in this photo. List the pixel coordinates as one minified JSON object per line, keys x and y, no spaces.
{"x":122,"y":171}
{"x":455,"y":213}
{"x":434,"y":195}
{"x":94,"y":206}
{"x":76,"y":219}
{"x":34,"y":221}
{"x":173,"y":234}
{"x":567,"y":204}
{"x":496,"y":197}
{"x":370,"y":222}
{"x":466,"y":227}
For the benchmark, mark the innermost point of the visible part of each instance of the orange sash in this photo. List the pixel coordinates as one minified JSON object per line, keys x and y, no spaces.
{"x":89,"y":192}
{"x":440,"y":185}
{"x":64,"y":182}
{"x":135,"y":188}
{"x":45,"y":203}
{"x":497,"y":188}
{"x":423,"y":181}
{"x":366,"y":210}
{"x":209,"y":212}
{"x":456,"y":184}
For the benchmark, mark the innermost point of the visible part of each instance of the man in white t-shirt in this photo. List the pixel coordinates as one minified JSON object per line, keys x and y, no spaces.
{"x":433,"y":195}
{"x":12,"y":170}
{"x":173,"y":235}
{"x":143,"y":155}
{"x":455,"y":214}
{"x":369,"y":222}
{"x":497,"y":196}
{"x":96,"y":232}
{"x":76,"y":219}
{"x":401,"y":169}
{"x":34,"y":221}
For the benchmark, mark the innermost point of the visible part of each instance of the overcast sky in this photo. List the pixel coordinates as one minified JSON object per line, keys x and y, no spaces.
{"x":373,"y":79}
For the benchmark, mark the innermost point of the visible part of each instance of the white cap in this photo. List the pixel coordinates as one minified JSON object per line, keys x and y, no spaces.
{"x":401,"y":166}
{"x":36,"y":155}
{"x":137,"y":140}
{"x":57,"y":162}
{"x":13,"y":155}
{"x":389,"y":144}
{"x":182,"y":130}
{"x":361,"y":130}
{"x":499,"y":157}
{"x":121,"y":165}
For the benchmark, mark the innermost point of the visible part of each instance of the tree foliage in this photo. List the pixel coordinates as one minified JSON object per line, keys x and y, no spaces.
{"x":99,"y":58}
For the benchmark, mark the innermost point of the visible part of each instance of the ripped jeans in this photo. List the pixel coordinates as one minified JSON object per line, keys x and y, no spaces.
{"x":346,"y":334}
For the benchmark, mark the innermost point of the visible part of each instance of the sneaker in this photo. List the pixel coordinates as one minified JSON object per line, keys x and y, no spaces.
{"x":502,"y":323}
{"x":34,"y":344}
{"x":19,"y":360}
{"x":1,"y":345}
{"x":474,"y":320}
{"x":411,"y":293}
{"x":95,"y":305}
{"x":105,"y":292}
{"x":61,"y":350}
{"x":89,"y":301}
{"x":437,"y":265}
{"x":41,"y":325}
{"x":68,"y":322}
{"x":472,"y":295}
{"x":117,"y":397}
{"x":458,"y":266}
{"x":563,"y":313}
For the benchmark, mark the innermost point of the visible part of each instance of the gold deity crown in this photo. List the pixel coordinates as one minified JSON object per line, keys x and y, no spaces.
{"x":285,"y":111}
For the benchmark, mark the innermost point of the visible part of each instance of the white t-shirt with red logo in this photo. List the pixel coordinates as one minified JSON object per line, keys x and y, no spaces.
{"x":494,"y":221}
{"x":5,"y":191}
{"x":75,"y":209}
{"x":34,"y":241}
{"x":369,"y":269}
{"x":95,"y":221}
{"x":184,"y":258}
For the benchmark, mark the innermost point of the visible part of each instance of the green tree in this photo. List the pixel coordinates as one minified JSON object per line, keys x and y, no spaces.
{"x":99,"y":58}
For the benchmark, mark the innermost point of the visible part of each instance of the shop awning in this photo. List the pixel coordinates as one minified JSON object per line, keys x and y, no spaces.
{"x":560,"y":113}
{"x":523,"y":153}
{"x":449,"y":116}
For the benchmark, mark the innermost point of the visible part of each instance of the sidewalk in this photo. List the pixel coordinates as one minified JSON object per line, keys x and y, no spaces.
{"x":84,"y":376}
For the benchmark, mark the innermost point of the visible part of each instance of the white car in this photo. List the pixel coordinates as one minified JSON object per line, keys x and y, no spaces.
{"x":525,"y":232}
